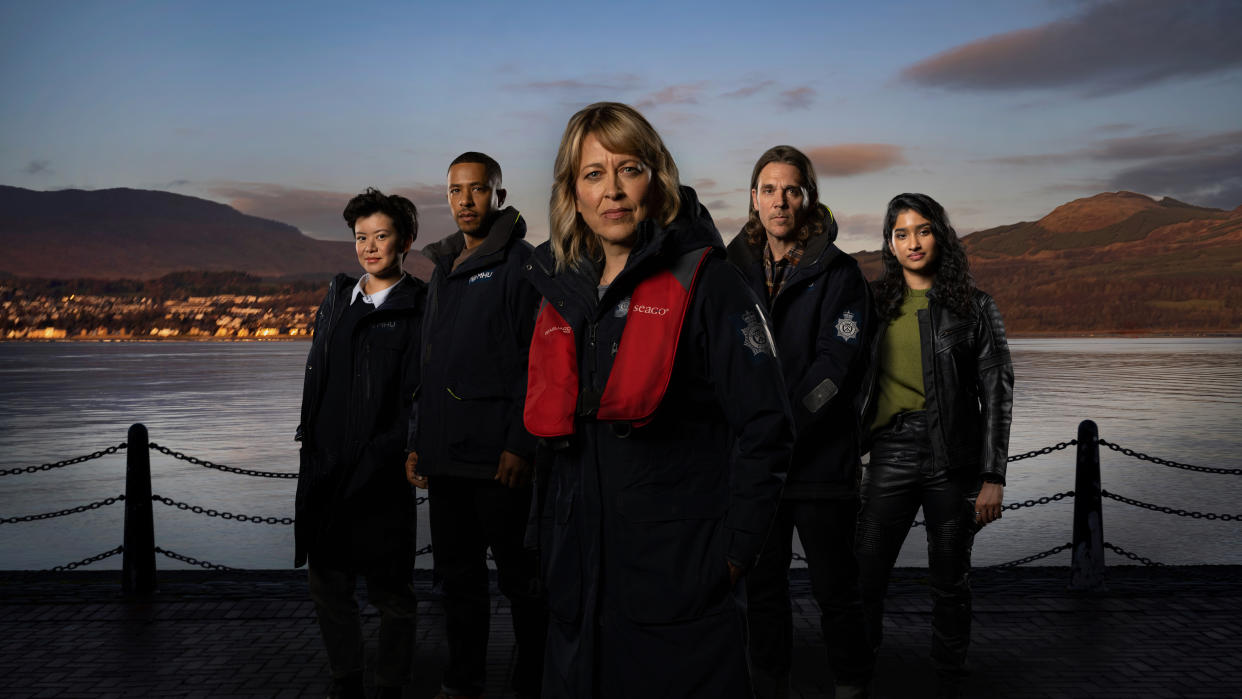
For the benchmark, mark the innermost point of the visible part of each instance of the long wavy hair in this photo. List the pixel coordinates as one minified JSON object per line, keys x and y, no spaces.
{"x":620,"y":129}
{"x":813,"y":219}
{"x":952,"y":285}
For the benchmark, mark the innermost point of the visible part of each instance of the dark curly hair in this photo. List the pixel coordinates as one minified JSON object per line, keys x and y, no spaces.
{"x":815,"y":219}
{"x":952,"y":286}
{"x":402,"y":211}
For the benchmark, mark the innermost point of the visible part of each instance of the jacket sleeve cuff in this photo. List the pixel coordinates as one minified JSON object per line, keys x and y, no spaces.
{"x":744,"y":549}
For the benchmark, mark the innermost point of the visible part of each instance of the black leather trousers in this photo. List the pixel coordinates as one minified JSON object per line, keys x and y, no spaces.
{"x":901,"y":478}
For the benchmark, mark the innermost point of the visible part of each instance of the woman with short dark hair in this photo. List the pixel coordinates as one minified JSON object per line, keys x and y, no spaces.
{"x":936,"y":407}
{"x":355,"y":510}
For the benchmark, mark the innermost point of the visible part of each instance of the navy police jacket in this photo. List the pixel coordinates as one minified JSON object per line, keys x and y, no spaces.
{"x":476,"y":336}
{"x":821,"y":318}
{"x":638,"y":522}
{"x":354,"y":509}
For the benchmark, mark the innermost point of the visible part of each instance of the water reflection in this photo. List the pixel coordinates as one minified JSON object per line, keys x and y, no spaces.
{"x":237,"y":404}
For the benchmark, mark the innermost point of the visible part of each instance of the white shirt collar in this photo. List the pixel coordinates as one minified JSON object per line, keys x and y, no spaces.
{"x":376,"y":299}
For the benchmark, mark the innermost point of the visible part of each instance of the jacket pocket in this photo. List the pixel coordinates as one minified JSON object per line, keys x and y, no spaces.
{"x":949,"y":337}
{"x":672,"y":555}
{"x":476,"y":421}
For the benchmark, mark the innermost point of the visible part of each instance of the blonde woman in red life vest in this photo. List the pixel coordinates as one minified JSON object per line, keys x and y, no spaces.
{"x":664,"y":424}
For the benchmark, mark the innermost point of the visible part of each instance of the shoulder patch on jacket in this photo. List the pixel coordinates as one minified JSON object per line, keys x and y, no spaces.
{"x":847,"y":327}
{"x":755,"y":335}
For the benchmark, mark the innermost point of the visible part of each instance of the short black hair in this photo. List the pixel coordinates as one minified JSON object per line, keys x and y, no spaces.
{"x":402,"y":211}
{"x":490,"y":166}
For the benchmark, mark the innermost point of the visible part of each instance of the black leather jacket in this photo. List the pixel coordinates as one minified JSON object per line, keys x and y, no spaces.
{"x":967,"y":384}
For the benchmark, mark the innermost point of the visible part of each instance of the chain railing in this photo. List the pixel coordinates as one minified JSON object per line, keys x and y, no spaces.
{"x":1131,"y":556}
{"x":89,"y":559}
{"x":1170,"y":510}
{"x":209,"y":512}
{"x":61,"y":513}
{"x":61,"y":464}
{"x":1172,"y":464}
{"x":220,"y":467}
{"x":143,"y":445}
{"x":1017,"y":505}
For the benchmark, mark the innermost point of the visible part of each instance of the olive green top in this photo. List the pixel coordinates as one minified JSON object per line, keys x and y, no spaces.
{"x":899,"y":383}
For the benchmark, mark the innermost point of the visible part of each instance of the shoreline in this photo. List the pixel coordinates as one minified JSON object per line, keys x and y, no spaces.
{"x":306,"y":338}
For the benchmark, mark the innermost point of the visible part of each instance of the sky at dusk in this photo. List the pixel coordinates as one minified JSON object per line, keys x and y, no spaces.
{"x":1001,"y":110}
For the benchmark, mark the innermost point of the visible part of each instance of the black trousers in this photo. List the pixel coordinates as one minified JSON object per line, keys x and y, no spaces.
{"x":901,"y":478}
{"x":469,"y":516}
{"x":826,"y":529}
{"x":391,"y":591}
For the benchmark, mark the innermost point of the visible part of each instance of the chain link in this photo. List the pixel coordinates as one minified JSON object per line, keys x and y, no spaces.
{"x":1165,"y":462}
{"x":1046,"y":450}
{"x":423,"y":551}
{"x":192,"y":560}
{"x":1170,"y":510}
{"x":62,"y":513}
{"x":220,"y":467}
{"x":90,"y":560}
{"x":223,"y":515}
{"x":1017,"y":505}
{"x":1131,"y":556}
{"x":67,"y":462}
{"x":1021,"y":561}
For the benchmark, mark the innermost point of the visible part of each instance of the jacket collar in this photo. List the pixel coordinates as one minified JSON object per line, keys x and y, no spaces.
{"x":507,"y":226}
{"x":820,"y":250}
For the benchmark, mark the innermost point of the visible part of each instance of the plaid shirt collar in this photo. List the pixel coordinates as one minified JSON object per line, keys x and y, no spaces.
{"x":777,"y":271}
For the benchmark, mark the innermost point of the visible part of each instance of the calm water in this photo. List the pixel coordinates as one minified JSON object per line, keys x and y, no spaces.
{"x":237,"y":404}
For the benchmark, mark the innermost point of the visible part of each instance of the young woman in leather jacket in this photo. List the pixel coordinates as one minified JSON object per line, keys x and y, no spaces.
{"x":936,"y":410}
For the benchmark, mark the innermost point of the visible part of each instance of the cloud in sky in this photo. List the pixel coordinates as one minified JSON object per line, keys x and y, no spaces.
{"x":578,"y":86}
{"x":1207,"y":179}
{"x":849,"y":159}
{"x":686,"y":93}
{"x":1159,"y":144}
{"x":748,"y":90}
{"x":797,"y":98}
{"x":317,"y":212}
{"x":1199,"y":169}
{"x":1107,"y":47}
{"x":38,"y":167}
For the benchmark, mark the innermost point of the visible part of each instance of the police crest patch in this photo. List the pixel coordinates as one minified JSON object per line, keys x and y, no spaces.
{"x":847,"y":327}
{"x":755,"y":334}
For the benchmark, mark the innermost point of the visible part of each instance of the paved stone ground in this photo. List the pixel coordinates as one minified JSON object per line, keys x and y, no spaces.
{"x":1156,"y":632}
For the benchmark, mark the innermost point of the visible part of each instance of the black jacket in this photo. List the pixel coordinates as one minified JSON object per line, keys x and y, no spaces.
{"x":967,"y":385}
{"x":821,"y":318}
{"x":476,"y":336}
{"x":638,"y":522}
{"x":354,"y":508}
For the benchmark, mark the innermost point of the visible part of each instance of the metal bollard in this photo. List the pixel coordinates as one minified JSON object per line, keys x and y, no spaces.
{"x":1087,"y":568}
{"x":138,"y":559}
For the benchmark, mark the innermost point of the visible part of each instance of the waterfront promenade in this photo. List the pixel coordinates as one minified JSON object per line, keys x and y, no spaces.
{"x":1156,"y":632}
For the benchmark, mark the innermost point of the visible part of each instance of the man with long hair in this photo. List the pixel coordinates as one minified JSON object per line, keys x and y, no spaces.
{"x":820,"y":310}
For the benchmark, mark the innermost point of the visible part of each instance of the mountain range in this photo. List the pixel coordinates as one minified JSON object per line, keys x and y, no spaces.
{"x":1112,"y":263}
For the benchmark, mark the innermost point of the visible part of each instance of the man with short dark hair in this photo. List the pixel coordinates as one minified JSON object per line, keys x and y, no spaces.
{"x":473,"y":454}
{"x":820,"y":307}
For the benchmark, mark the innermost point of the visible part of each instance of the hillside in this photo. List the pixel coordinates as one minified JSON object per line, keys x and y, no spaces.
{"x":141,"y":234}
{"x":1112,"y":263}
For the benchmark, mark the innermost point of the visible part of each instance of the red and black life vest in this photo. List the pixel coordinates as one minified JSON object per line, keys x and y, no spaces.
{"x":640,"y":371}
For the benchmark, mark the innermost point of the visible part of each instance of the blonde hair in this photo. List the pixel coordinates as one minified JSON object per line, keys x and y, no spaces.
{"x":620,"y":129}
